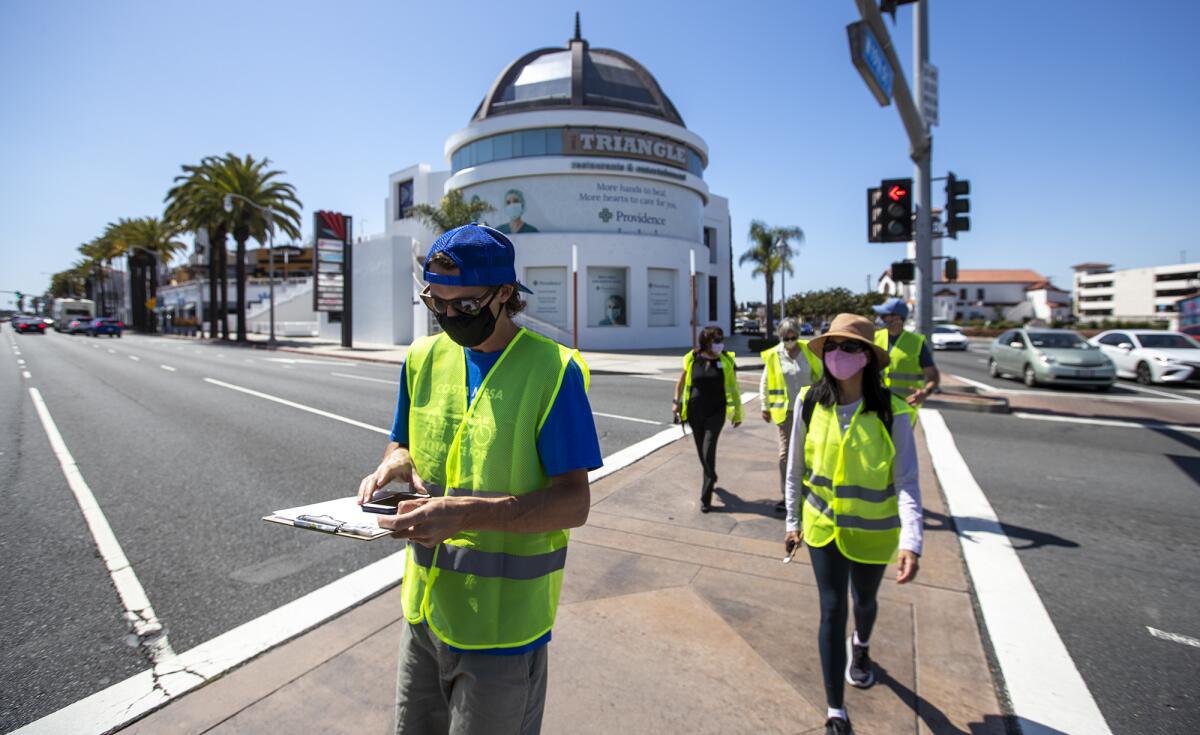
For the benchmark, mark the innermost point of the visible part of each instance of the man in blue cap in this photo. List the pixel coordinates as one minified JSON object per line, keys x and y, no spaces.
{"x":493,"y":422}
{"x":911,"y":374}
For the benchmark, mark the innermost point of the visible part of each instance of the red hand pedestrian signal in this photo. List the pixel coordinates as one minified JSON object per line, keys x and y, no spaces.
{"x":896,"y":193}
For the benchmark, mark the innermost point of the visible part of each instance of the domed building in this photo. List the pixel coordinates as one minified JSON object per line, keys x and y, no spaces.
{"x":590,"y":169}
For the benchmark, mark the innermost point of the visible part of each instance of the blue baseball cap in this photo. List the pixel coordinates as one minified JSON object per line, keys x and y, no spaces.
{"x":484,"y":257}
{"x":894,"y":306}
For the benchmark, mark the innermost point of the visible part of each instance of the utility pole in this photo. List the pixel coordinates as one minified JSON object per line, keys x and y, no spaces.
{"x":923,"y":233}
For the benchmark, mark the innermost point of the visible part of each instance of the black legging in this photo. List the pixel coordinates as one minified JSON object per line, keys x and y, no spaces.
{"x":834,"y":573}
{"x":706,"y":430}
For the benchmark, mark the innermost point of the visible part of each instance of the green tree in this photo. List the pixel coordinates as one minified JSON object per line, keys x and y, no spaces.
{"x":770,"y":251}
{"x":196,"y":203}
{"x":101,"y":251}
{"x":453,"y":211}
{"x":150,"y":236}
{"x":824,"y":305}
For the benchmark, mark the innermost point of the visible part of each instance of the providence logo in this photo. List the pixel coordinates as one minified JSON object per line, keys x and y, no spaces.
{"x":605,"y":215}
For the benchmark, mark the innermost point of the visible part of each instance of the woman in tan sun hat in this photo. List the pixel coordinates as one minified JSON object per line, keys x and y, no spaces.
{"x":853,"y":495}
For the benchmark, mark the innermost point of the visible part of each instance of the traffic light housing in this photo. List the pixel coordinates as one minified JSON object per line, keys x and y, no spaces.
{"x":874,"y":215}
{"x":896,"y":221}
{"x":950,"y":270}
{"x":957,"y":204}
{"x":904,"y":271}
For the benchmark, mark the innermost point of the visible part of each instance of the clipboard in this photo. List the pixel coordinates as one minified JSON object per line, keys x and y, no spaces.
{"x":340,"y":517}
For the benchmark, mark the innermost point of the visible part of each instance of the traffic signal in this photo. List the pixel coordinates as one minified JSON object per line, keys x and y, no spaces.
{"x":874,"y":215}
{"x":904,"y":272}
{"x":896,"y":221}
{"x":950,"y":270}
{"x":956,"y":204}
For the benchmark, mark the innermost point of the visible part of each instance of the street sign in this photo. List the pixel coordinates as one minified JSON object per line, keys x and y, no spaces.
{"x":929,"y":93}
{"x":331,"y":254}
{"x":871,"y":62}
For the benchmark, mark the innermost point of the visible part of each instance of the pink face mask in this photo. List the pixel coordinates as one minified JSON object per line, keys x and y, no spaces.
{"x":845,"y":365}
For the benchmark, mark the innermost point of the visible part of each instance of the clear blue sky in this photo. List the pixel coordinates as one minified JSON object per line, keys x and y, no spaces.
{"x":1075,"y":121}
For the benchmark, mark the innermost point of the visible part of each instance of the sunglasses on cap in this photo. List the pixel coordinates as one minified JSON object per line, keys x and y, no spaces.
{"x":849,"y":346}
{"x":464,"y":306}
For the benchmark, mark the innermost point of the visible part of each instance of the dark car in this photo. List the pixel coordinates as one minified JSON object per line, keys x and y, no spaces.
{"x":34,"y":324}
{"x":105,"y":325}
{"x":78,"y":326}
{"x":824,"y":327}
{"x":806,"y":330}
{"x":1192,"y":331}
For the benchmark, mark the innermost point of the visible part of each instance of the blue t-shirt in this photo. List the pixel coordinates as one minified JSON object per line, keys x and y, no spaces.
{"x":567,"y":441}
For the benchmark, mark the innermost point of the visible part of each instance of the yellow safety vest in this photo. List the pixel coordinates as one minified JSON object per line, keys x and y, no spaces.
{"x":851,"y":499}
{"x":484,"y":589}
{"x":903,"y":374}
{"x":779,"y":403}
{"x":733,"y":398}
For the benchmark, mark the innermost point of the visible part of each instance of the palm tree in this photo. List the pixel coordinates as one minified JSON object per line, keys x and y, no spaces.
{"x":196,"y":203}
{"x":152,"y":236}
{"x":451,"y":212}
{"x":770,"y":251}
{"x":101,"y":251}
{"x":252,"y":182}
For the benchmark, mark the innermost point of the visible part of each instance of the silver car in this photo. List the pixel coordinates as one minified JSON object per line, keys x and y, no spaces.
{"x":1050,"y":356}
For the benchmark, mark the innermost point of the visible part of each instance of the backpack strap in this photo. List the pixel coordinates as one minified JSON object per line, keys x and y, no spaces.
{"x":808,"y":405}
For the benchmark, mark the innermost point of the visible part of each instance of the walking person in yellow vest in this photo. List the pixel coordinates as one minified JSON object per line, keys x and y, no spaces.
{"x":787,"y":367}
{"x":492,"y":420}
{"x":705,"y":395}
{"x":912,"y":374}
{"x":854,"y":496}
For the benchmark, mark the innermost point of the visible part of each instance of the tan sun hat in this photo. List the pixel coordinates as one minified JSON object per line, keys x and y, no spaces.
{"x":851,"y":326}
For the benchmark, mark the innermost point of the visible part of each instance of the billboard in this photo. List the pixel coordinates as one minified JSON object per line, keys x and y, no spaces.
{"x":604,"y":204}
{"x":660,"y":297}
{"x":548,"y":303}
{"x":607,"y":297}
{"x":332,"y":253}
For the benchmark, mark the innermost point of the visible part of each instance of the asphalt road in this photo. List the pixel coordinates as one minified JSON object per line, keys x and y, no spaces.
{"x":184,"y":468}
{"x":1105,"y":521}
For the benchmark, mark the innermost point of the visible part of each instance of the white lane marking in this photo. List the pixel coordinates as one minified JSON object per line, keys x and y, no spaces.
{"x":128,"y":700}
{"x":26,"y":374}
{"x":20,"y":362}
{"x":1063,"y":394}
{"x":1104,"y":422}
{"x":626,"y":418}
{"x":303,"y":361}
{"x":112,"y":352}
{"x":135,"y":358}
{"x":623,"y":458}
{"x":220,"y":355}
{"x":666,"y":378}
{"x":976,"y":383}
{"x":301,"y":406}
{"x":1186,"y":640}
{"x":1151,"y":391}
{"x":1045,"y":687}
{"x":138,"y":611}
{"x":168,"y":368}
{"x":363,"y":377}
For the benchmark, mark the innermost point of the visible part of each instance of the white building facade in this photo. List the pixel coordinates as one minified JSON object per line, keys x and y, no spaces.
{"x":1014,"y":295}
{"x":1133,"y":294}
{"x":591,"y":171}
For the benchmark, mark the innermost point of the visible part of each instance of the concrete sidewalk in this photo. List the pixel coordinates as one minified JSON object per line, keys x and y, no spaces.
{"x":671,"y":621}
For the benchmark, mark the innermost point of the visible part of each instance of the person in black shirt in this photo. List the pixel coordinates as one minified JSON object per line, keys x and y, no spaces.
{"x":705,"y":394}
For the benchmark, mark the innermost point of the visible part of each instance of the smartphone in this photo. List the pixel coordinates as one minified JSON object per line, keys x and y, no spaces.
{"x":385,"y":502}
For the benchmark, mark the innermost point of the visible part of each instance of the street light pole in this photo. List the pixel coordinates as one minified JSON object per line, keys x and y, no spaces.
{"x":923,"y":237}
{"x":781,"y":246}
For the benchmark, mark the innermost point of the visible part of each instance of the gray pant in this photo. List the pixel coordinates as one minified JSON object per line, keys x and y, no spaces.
{"x":443,"y":693}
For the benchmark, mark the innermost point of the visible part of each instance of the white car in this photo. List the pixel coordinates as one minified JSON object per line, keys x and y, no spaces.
{"x":1151,"y":356}
{"x":948,"y":337}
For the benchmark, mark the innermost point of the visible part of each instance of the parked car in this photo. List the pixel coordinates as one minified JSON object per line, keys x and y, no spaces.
{"x":946,"y":337}
{"x":25,"y":323}
{"x":824,"y":327}
{"x":806,"y":330}
{"x":1151,"y":356}
{"x":105,"y":325}
{"x":1050,"y":356}
{"x":78,"y":326}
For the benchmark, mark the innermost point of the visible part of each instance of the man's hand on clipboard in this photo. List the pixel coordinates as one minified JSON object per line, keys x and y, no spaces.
{"x":427,"y":522}
{"x":396,"y":466}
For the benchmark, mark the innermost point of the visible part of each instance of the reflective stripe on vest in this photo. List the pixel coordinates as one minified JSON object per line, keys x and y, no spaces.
{"x":733,"y":397}
{"x":778,"y":401}
{"x":484,"y":589}
{"x":850,"y":498}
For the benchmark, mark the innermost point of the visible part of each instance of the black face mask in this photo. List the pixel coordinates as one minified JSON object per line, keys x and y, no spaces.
{"x":470,"y":331}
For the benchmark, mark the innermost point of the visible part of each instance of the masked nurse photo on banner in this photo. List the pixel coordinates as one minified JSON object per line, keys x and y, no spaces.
{"x":514,"y":211}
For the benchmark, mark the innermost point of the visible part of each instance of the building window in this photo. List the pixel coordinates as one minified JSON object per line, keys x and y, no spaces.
{"x":962,"y":294}
{"x":404,"y":199}
{"x":1177,"y":276}
{"x":712,"y":298}
{"x":527,"y":143}
{"x":710,"y":242}
{"x":979,"y":294}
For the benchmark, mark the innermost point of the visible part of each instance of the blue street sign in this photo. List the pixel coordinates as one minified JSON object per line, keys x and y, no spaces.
{"x":871,"y":62}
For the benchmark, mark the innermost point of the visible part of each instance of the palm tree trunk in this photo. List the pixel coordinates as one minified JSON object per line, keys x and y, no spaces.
{"x":224,"y":291}
{"x":241,"y":290}
{"x":218,"y":235}
{"x":770,"y":305}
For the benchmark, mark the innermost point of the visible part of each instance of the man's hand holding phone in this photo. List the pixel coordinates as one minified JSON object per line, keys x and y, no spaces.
{"x":396,"y":466}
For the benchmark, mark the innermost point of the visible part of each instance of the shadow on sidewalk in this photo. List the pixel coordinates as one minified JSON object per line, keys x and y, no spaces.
{"x":731,"y":503}
{"x":1033,"y":539}
{"x":937,"y":721}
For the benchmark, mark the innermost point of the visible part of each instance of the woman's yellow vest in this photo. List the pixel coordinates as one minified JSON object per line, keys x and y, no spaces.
{"x":484,"y":589}
{"x":778,"y":401}
{"x":903,"y":374}
{"x":851,"y":499}
{"x":733,"y":398}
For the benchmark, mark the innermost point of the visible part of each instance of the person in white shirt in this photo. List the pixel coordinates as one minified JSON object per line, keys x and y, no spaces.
{"x":792,"y":360}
